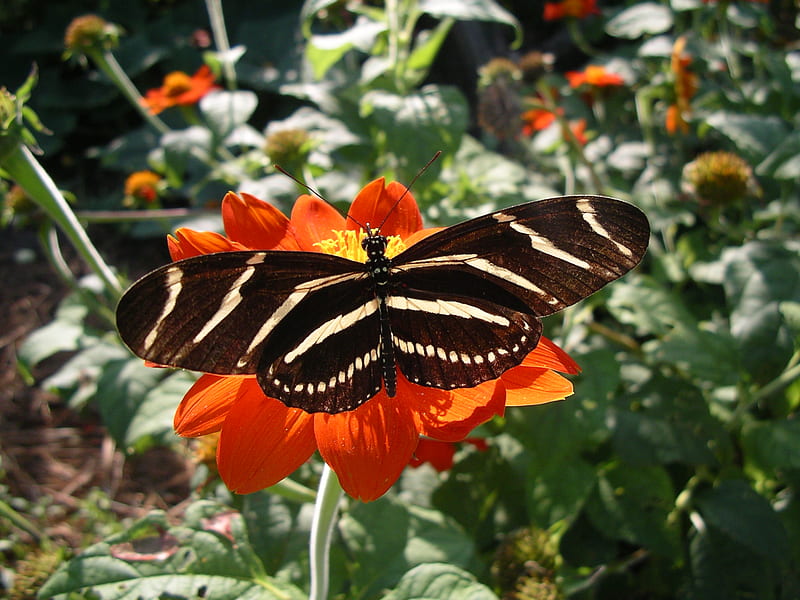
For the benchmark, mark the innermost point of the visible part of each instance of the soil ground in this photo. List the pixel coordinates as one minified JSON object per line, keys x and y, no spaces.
{"x":49,"y":451}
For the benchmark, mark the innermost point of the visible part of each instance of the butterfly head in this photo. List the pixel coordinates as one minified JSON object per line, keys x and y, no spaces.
{"x":374,"y":244}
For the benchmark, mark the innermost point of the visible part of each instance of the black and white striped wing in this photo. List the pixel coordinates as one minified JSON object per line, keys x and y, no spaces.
{"x":466,"y":301}
{"x":217,"y":313}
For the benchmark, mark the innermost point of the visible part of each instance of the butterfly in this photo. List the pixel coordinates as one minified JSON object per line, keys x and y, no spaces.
{"x":325,"y":333}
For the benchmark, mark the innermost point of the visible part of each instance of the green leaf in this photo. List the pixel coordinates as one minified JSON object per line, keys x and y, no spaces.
{"x":80,"y":373}
{"x":414,"y":127}
{"x":709,"y":356}
{"x":753,"y":135}
{"x":439,"y":582}
{"x":209,"y":556}
{"x":632,"y":504}
{"x":667,"y":421}
{"x":746,"y":517}
{"x":790,"y":311}
{"x":426,"y":47}
{"x":648,"y":306}
{"x":640,"y":19}
{"x":722,"y":569}
{"x":403,"y":537}
{"x":324,"y":51}
{"x":758,"y":277}
{"x":558,"y":489}
{"x":123,"y":392}
{"x":154,"y":414}
{"x":773,"y":445}
{"x":225,"y":111}
{"x":57,"y":336}
{"x":309,"y":11}
{"x":783,"y":162}
{"x":472,"y":10}
{"x":278,"y":533}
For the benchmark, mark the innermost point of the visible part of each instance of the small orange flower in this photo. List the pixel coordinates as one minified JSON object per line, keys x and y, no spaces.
{"x":576,"y":9}
{"x":262,"y":440}
{"x":595,"y":75}
{"x":538,"y":119}
{"x":180,"y":89}
{"x":685,"y":88}
{"x":142,"y":186}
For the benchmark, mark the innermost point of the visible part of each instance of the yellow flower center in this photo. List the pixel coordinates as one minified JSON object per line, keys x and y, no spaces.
{"x":177,"y":83}
{"x":347,"y":244}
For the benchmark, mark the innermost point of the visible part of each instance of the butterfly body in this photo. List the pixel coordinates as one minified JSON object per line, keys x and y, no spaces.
{"x":325,"y":333}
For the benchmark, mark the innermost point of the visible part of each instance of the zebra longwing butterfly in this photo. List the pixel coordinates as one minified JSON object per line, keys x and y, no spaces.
{"x":325,"y":333}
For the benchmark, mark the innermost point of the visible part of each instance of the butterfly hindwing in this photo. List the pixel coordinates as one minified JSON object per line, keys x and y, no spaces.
{"x":451,"y":341}
{"x":326,"y":356}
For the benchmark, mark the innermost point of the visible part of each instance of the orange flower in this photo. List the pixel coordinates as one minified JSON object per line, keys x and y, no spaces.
{"x":576,"y":9}
{"x":440,"y":455}
{"x":685,"y":88}
{"x":180,"y":89}
{"x":538,"y":119}
{"x":595,"y":75}
{"x":142,"y":186}
{"x":262,"y":440}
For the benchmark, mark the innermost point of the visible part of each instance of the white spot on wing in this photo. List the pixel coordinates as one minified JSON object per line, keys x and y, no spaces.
{"x":446,"y":307}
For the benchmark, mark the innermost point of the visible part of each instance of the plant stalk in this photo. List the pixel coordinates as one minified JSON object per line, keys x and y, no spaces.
{"x":25,"y":170}
{"x":325,"y":513}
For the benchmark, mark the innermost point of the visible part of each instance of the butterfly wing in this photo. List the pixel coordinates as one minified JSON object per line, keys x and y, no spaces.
{"x":466,"y":301}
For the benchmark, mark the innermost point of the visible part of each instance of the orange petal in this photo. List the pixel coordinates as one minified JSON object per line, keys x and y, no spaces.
{"x":438,"y":454}
{"x":526,"y":386}
{"x":369,"y":447}
{"x":548,"y":354}
{"x":391,"y":207}
{"x":206,"y":404}
{"x":262,"y":440}
{"x":187,"y":243}
{"x":421,"y":235}
{"x":449,"y":415}
{"x":314,"y":220}
{"x":256,"y":224}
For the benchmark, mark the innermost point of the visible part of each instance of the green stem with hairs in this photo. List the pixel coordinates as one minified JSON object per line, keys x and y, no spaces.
{"x":325,"y":513}
{"x":25,"y":170}
{"x":217,"y":20}
{"x":106,"y":62}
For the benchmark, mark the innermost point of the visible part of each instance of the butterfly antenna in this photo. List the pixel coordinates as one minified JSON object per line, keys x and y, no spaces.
{"x":408,"y":187}
{"x":301,"y":183}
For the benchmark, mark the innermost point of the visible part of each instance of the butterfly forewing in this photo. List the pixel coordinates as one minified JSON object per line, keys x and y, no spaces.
{"x":214,"y":313}
{"x":550,"y":254}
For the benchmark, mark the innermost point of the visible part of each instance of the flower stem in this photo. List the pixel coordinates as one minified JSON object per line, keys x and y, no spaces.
{"x":106,"y":62}
{"x":25,"y":170}
{"x":217,"y":19}
{"x":325,"y":511}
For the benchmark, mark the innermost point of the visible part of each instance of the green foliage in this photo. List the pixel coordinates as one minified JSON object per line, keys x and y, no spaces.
{"x":672,"y":472}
